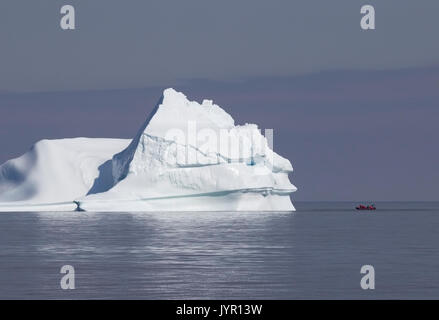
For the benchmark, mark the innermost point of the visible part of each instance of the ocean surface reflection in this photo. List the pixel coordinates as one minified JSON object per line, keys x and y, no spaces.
{"x":316,"y":252}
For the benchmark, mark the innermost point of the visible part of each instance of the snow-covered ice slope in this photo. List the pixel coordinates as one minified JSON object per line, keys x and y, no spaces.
{"x":53,"y":173}
{"x":191,"y":156}
{"x":186,"y":157}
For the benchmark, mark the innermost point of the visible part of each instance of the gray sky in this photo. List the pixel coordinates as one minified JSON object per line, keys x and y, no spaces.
{"x":126,"y":44}
{"x":351,"y":135}
{"x":355,"y":111}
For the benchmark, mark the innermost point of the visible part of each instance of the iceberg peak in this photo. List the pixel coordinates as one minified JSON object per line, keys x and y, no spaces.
{"x":187,"y":149}
{"x":171,"y":96}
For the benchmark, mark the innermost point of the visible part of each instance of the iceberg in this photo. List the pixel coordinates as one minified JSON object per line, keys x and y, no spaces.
{"x":186,"y":156}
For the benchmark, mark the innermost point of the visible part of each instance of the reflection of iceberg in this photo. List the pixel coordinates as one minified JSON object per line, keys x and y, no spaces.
{"x":186,"y":157}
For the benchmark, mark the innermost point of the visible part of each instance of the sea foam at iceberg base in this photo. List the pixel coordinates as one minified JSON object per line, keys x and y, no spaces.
{"x":186,"y":157}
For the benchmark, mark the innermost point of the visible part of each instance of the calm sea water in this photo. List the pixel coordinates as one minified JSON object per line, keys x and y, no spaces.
{"x":316,"y":252}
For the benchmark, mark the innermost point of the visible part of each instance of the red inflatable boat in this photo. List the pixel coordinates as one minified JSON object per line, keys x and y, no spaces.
{"x":363,"y":207}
